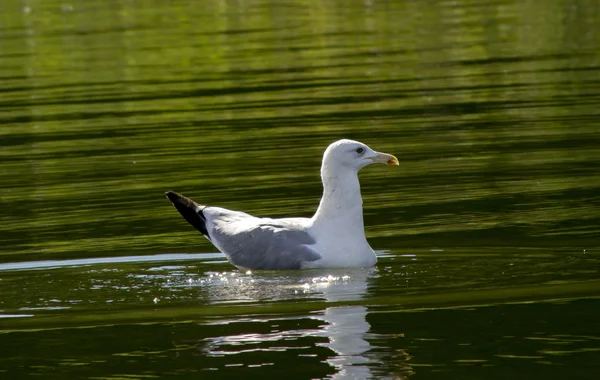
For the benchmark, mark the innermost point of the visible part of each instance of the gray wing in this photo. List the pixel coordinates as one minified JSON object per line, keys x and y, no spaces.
{"x":265,"y":244}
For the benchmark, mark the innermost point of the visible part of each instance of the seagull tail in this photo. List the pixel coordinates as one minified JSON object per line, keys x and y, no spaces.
{"x":190,"y":210}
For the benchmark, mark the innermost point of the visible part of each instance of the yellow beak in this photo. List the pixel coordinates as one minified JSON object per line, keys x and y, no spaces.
{"x":385,"y":158}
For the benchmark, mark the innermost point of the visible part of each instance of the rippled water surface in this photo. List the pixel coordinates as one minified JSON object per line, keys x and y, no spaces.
{"x":488,"y":233}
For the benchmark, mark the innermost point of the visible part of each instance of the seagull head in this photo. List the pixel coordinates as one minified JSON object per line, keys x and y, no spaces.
{"x":355,"y":155}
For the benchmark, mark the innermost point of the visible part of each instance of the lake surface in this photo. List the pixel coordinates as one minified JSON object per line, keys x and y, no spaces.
{"x":488,"y":233}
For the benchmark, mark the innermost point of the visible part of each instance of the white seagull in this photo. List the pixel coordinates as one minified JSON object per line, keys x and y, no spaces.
{"x":333,"y":238}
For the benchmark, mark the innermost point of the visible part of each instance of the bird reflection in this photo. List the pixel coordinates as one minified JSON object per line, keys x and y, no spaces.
{"x":341,"y":329}
{"x":346,"y":328}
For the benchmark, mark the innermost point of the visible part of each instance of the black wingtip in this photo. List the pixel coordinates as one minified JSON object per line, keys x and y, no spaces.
{"x":189,"y":210}
{"x":173,"y":196}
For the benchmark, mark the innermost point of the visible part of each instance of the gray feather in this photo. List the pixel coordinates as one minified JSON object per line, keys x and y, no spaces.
{"x":266,"y":244}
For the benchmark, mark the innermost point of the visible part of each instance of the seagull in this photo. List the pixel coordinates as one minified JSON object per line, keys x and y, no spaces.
{"x":333,"y":238}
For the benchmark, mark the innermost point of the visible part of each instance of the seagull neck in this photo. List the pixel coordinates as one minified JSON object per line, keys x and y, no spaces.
{"x":341,"y":202}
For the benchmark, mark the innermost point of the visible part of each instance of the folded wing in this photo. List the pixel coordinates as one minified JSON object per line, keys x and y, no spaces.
{"x":255,"y":243}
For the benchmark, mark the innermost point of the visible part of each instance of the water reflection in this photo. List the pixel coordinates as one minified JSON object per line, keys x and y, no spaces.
{"x":198,"y":313}
{"x":345,"y":328}
{"x":342,"y":330}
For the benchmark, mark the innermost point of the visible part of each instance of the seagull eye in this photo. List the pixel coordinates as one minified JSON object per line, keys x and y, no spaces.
{"x":359,"y":150}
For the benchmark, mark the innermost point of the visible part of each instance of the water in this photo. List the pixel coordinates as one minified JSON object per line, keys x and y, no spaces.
{"x":422,"y":313}
{"x":487,"y":234}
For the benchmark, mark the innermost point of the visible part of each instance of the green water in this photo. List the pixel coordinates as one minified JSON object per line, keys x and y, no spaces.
{"x":488,"y":233}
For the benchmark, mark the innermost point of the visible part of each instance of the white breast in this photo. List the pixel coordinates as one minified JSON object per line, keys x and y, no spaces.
{"x":340,"y":247}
